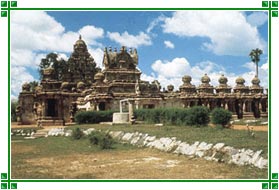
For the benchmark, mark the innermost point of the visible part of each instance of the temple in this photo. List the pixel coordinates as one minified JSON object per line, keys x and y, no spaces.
{"x":84,"y":86}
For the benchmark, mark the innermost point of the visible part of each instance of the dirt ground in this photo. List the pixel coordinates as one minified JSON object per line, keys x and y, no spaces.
{"x":125,"y":164}
{"x":255,"y":128}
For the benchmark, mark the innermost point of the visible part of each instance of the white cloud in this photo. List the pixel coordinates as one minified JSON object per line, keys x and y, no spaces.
{"x":169,"y":44}
{"x":263,"y":73}
{"x":257,"y":18}
{"x":126,"y":39}
{"x":34,"y":34}
{"x":175,"y":68}
{"x":19,"y":76}
{"x":228,"y":31}
{"x":154,"y":23}
{"x":171,"y":72}
{"x":36,"y":30}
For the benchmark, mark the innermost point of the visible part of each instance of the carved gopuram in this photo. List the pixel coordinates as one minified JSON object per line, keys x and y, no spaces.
{"x":83,"y":86}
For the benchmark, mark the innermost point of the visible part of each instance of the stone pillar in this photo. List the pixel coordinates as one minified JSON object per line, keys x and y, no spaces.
{"x":137,"y":105}
{"x":226,"y":105}
{"x":208,"y":105}
{"x":240,"y":110}
{"x":43,"y":108}
{"x":131,"y":111}
{"x":260,"y":106}
{"x":244,"y":107}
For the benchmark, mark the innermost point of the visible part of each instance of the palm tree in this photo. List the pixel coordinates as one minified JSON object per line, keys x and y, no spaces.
{"x":255,"y":57}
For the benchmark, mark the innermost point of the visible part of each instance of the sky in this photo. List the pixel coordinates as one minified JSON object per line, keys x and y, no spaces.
{"x":169,"y":44}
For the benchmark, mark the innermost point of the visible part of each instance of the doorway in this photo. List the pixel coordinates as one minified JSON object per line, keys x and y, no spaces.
{"x":51,"y":108}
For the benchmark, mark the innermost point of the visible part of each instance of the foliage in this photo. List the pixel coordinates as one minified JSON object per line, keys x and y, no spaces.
{"x":59,"y":65}
{"x":255,"y":57}
{"x":104,"y":141}
{"x":77,"y":133}
{"x":197,"y":116}
{"x":14,"y":104}
{"x":93,"y":116}
{"x":221,"y":116}
{"x":33,"y":85}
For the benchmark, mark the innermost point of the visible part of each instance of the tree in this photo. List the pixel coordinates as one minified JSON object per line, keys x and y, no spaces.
{"x":255,"y":57}
{"x":33,"y":85}
{"x":59,"y":65}
{"x":14,"y":104}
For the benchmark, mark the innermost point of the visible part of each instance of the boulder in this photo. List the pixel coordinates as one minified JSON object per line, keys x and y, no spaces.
{"x":127,"y":136}
{"x":255,"y":157}
{"x":218,"y":146}
{"x":261,"y":163}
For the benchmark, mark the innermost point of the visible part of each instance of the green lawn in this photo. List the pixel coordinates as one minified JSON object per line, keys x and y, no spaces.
{"x":63,"y":157}
{"x":235,"y":138}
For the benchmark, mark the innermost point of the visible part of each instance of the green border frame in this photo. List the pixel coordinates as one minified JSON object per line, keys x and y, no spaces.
{"x":269,"y":6}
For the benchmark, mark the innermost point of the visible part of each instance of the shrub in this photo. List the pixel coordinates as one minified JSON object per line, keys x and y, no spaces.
{"x":198,"y":116}
{"x":77,"y":133}
{"x":221,"y":116}
{"x":14,"y":104}
{"x":104,"y":141}
{"x":158,"y":115}
{"x":93,"y":116}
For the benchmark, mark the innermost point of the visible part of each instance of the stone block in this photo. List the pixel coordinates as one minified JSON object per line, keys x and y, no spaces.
{"x":127,"y":136}
{"x":218,"y":146}
{"x":120,"y":118}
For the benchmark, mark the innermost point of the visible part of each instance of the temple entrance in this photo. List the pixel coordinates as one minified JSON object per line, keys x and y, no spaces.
{"x":102,"y":106}
{"x":51,"y":108}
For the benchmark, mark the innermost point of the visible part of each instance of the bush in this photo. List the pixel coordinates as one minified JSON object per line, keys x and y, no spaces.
{"x":104,"y":141}
{"x":221,"y":116}
{"x":160,"y":115}
{"x":93,"y":116}
{"x":198,"y":116}
{"x":77,"y":133}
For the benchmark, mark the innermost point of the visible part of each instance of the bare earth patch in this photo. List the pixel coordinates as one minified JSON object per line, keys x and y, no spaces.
{"x":255,"y":128}
{"x":128,"y":164}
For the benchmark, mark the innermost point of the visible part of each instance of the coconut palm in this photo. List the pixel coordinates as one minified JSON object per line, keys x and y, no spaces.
{"x":255,"y":57}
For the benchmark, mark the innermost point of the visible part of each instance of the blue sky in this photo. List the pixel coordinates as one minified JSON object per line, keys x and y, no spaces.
{"x":170,"y":44}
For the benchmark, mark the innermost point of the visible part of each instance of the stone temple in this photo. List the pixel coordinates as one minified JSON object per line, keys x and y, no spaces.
{"x":84,"y":86}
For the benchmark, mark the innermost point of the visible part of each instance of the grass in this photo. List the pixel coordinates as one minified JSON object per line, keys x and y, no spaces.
{"x":63,"y":157}
{"x":51,"y":147}
{"x":235,"y":138}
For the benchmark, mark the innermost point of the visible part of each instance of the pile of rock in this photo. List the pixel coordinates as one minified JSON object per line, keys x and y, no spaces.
{"x":218,"y":152}
{"x":23,"y":132}
{"x":63,"y":132}
{"x":56,"y":132}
